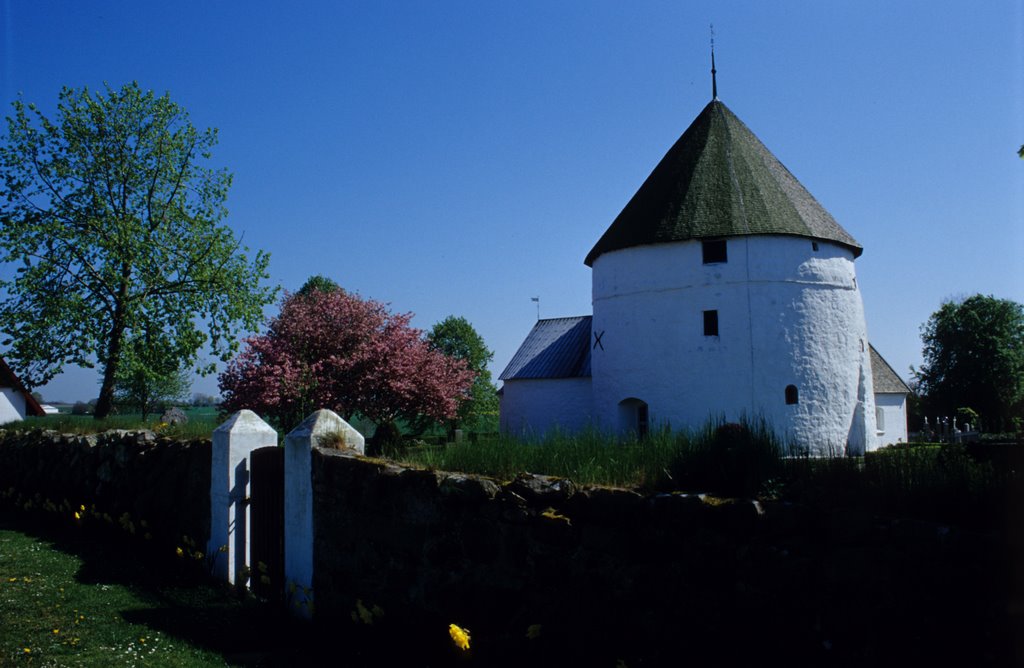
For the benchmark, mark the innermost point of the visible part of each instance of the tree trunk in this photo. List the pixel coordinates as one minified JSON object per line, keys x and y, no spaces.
{"x":106,"y":400}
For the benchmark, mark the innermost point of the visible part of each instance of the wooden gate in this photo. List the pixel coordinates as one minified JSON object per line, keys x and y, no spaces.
{"x":266,"y":515}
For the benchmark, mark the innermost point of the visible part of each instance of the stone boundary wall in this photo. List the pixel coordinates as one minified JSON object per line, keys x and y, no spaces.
{"x":164,"y":482}
{"x":540,"y":568}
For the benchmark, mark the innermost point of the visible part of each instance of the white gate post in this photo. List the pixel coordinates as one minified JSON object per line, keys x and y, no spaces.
{"x":242,"y":433}
{"x":298,"y":501}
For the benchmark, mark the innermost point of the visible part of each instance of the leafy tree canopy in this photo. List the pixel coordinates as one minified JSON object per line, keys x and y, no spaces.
{"x":456,"y":337}
{"x":203,"y":400}
{"x":974,"y":357}
{"x":332,"y":349}
{"x":318,"y":282}
{"x":148,"y":380}
{"x":113,"y":219}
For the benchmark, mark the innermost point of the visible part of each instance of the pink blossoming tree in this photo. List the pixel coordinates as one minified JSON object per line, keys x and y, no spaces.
{"x":329,"y":348}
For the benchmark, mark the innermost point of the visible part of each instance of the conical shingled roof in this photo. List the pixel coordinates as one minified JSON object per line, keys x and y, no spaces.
{"x":719,"y":180}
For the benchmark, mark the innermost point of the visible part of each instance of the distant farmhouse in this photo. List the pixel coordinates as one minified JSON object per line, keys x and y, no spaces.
{"x":723,"y":288}
{"x":15,"y":401}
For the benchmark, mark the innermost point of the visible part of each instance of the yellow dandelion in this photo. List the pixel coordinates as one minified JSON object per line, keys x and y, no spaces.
{"x":553,"y":514}
{"x":81,"y":508}
{"x":180,"y":552}
{"x":460,"y":636}
{"x":362,"y":613}
{"x":56,"y":631}
{"x":78,"y":516}
{"x":27,"y":650}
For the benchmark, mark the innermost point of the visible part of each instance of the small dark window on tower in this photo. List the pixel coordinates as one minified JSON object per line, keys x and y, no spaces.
{"x":710,"y":323}
{"x":792,"y":395}
{"x":642,"y":418}
{"x":714,"y":251}
{"x":814,"y":245}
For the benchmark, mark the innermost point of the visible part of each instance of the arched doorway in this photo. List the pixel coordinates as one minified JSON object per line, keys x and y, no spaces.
{"x":634,"y":416}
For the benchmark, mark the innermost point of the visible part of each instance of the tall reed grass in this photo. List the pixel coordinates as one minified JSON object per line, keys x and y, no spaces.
{"x":588,"y":457}
{"x":721,"y":457}
{"x":747,"y":459}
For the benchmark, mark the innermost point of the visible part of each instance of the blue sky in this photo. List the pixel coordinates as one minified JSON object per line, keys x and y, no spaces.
{"x":462,"y":157}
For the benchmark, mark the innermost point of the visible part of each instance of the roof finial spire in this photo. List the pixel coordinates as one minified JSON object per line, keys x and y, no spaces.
{"x":714,"y":82}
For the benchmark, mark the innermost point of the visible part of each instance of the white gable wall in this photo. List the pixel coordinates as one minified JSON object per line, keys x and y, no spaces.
{"x":533,"y":407}
{"x":787,"y":314}
{"x":892,"y":427}
{"x":12,"y":405}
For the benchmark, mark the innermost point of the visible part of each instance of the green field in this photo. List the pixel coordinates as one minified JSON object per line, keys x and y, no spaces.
{"x":66,"y":600}
{"x":201,"y":423}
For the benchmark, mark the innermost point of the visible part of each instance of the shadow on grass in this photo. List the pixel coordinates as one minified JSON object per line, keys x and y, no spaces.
{"x":181,"y":601}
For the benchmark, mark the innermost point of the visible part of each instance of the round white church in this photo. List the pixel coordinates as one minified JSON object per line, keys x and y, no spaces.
{"x":723,"y":288}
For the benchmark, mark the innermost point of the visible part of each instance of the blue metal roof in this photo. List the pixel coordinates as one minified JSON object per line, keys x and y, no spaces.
{"x":554,"y":348}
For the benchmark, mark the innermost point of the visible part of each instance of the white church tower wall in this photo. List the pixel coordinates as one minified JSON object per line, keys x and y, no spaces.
{"x":780,"y":319}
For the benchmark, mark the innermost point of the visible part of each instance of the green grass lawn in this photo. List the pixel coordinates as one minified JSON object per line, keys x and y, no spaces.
{"x":71,"y":596}
{"x":74,"y":598}
{"x":62,"y":603}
